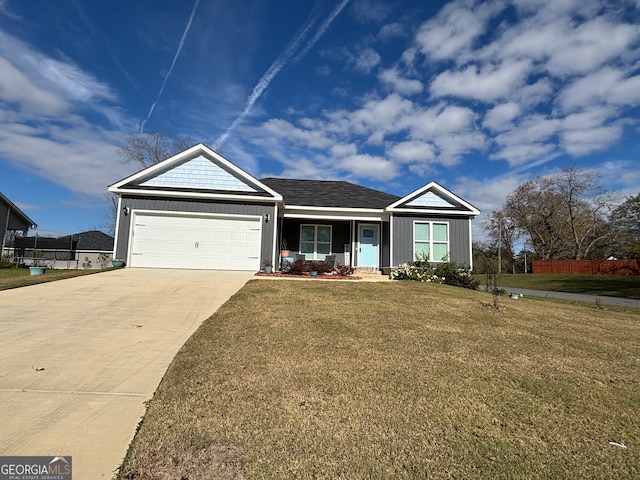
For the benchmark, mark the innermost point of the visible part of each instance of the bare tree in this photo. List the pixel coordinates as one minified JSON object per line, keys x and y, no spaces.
{"x":585,"y":205}
{"x":533,"y":209}
{"x":146,"y":149}
{"x":626,"y":224}
{"x":564,"y":215}
{"x":503,"y":233}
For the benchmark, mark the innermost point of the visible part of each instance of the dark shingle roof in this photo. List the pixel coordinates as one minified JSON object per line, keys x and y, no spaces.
{"x":328,"y":193}
{"x":93,"y":240}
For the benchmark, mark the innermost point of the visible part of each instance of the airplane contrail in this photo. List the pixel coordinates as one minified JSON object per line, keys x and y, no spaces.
{"x":323,"y":28}
{"x":175,"y":57}
{"x":280,"y":62}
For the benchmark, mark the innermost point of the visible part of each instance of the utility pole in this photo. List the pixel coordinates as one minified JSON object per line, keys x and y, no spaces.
{"x":499,"y":244}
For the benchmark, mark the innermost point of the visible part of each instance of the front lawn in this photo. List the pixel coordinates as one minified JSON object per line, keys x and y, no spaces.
{"x":625,"y":286}
{"x":396,"y":380}
{"x":20,"y":277}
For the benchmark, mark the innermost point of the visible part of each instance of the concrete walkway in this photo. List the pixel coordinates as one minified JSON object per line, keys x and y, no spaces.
{"x":576,"y":297}
{"x":79,"y":358}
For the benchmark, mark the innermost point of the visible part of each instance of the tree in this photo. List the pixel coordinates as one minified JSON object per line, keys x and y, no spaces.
{"x":532,"y":208}
{"x":625,"y":220}
{"x":585,"y":204}
{"x":563,"y":215}
{"x":503,"y":232}
{"x":484,"y":258}
{"x":146,"y":149}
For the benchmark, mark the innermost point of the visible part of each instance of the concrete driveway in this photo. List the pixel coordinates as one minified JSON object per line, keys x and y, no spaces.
{"x":79,"y":357}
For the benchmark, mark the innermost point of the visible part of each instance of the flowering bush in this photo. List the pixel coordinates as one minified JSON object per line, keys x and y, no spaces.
{"x":422,"y":271}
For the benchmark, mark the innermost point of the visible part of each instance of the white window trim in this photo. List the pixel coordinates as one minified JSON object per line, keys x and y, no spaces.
{"x":431,"y":241}
{"x":315,"y":239}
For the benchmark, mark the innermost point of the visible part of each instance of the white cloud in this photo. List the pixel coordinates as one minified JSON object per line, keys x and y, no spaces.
{"x":370,"y":11}
{"x":308,"y":138}
{"x":501,"y":116}
{"x":401,"y":85}
{"x":50,"y":86}
{"x":438,"y":120}
{"x":585,"y":141}
{"x":369,"y":166}
{"x":487,"y":84}
{"x":454,"y":29}
{"x":17,"y":88}
{"x":343,"y":150}
{"x":525,"y":85}
{"x":521,"y":153}
{"x":378,"y":117}
{"x":391,"y":31}
{"x":607,"y":86}
{"x":412,"y":151}
{"x":79,"y":158}
{"x":367,"y":59}
{"x":534,"y":128}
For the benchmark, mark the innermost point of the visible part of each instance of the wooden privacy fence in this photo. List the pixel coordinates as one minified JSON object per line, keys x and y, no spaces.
{"x":587,"y":267}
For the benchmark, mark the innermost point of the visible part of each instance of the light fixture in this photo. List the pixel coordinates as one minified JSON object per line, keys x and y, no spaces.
{"x":126,"y":210}
{"x":266,"y":217}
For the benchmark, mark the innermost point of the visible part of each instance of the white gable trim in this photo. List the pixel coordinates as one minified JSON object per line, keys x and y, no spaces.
{"x":433,"y":186}
{"x":121,"y":186}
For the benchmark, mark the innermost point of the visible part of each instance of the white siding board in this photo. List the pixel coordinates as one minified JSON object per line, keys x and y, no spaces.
{"x":430,"y":199}
{"x":199,"y":173}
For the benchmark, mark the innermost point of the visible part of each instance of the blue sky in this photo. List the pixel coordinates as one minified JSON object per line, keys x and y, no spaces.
{"x":478,"y":96}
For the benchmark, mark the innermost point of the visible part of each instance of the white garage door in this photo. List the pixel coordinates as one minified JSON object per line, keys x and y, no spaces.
{"x":218,"y":243}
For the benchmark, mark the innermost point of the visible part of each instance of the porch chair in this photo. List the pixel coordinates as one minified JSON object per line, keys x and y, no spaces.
{"x":330,"y":260}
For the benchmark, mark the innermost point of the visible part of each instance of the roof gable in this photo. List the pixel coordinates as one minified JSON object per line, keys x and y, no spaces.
{"x":196,"y":172}
{"x":28,"y":223}
{"x":433,"y":198}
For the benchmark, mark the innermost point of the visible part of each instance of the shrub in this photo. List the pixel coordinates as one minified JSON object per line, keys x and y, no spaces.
{"x":343,"y":270}
{"x":448,"y":273}
{"x":319,"y":266}
{"x":296,"y":268}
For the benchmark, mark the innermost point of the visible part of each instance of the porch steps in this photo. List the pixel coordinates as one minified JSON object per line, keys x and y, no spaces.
{"x":367,"y":271}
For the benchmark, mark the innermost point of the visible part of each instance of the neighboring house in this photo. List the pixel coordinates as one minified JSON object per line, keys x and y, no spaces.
{"x":91,"y":249}
{"x":198,"y":210}
{"x":12,"y":221}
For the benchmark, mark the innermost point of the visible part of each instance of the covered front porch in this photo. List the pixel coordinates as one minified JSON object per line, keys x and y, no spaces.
{"x":355,"y":243}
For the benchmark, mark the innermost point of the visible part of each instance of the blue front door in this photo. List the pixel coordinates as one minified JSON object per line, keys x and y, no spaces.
{"x":369,"y":238}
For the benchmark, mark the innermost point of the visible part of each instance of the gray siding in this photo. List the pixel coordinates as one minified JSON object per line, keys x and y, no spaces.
{"x":459,"y":238}
{"x":195,"y":206}
{"x":15,"y":222}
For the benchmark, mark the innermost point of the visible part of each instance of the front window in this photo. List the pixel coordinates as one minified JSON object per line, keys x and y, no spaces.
{"x":431,"y":239}
{"x":315,"y":241}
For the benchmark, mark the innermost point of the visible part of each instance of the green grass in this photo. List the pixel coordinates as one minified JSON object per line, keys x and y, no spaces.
{"x":20,"y":277}
{"x":625,"y":286}
{"x":396,"y":380}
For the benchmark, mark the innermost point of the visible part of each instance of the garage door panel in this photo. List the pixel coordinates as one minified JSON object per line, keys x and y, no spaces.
{"x":165,"y":241}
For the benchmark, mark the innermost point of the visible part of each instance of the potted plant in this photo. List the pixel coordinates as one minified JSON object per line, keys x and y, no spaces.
{"x":268,"y":266}
{"x":36,"y":268}
{"x":284,"y":251}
